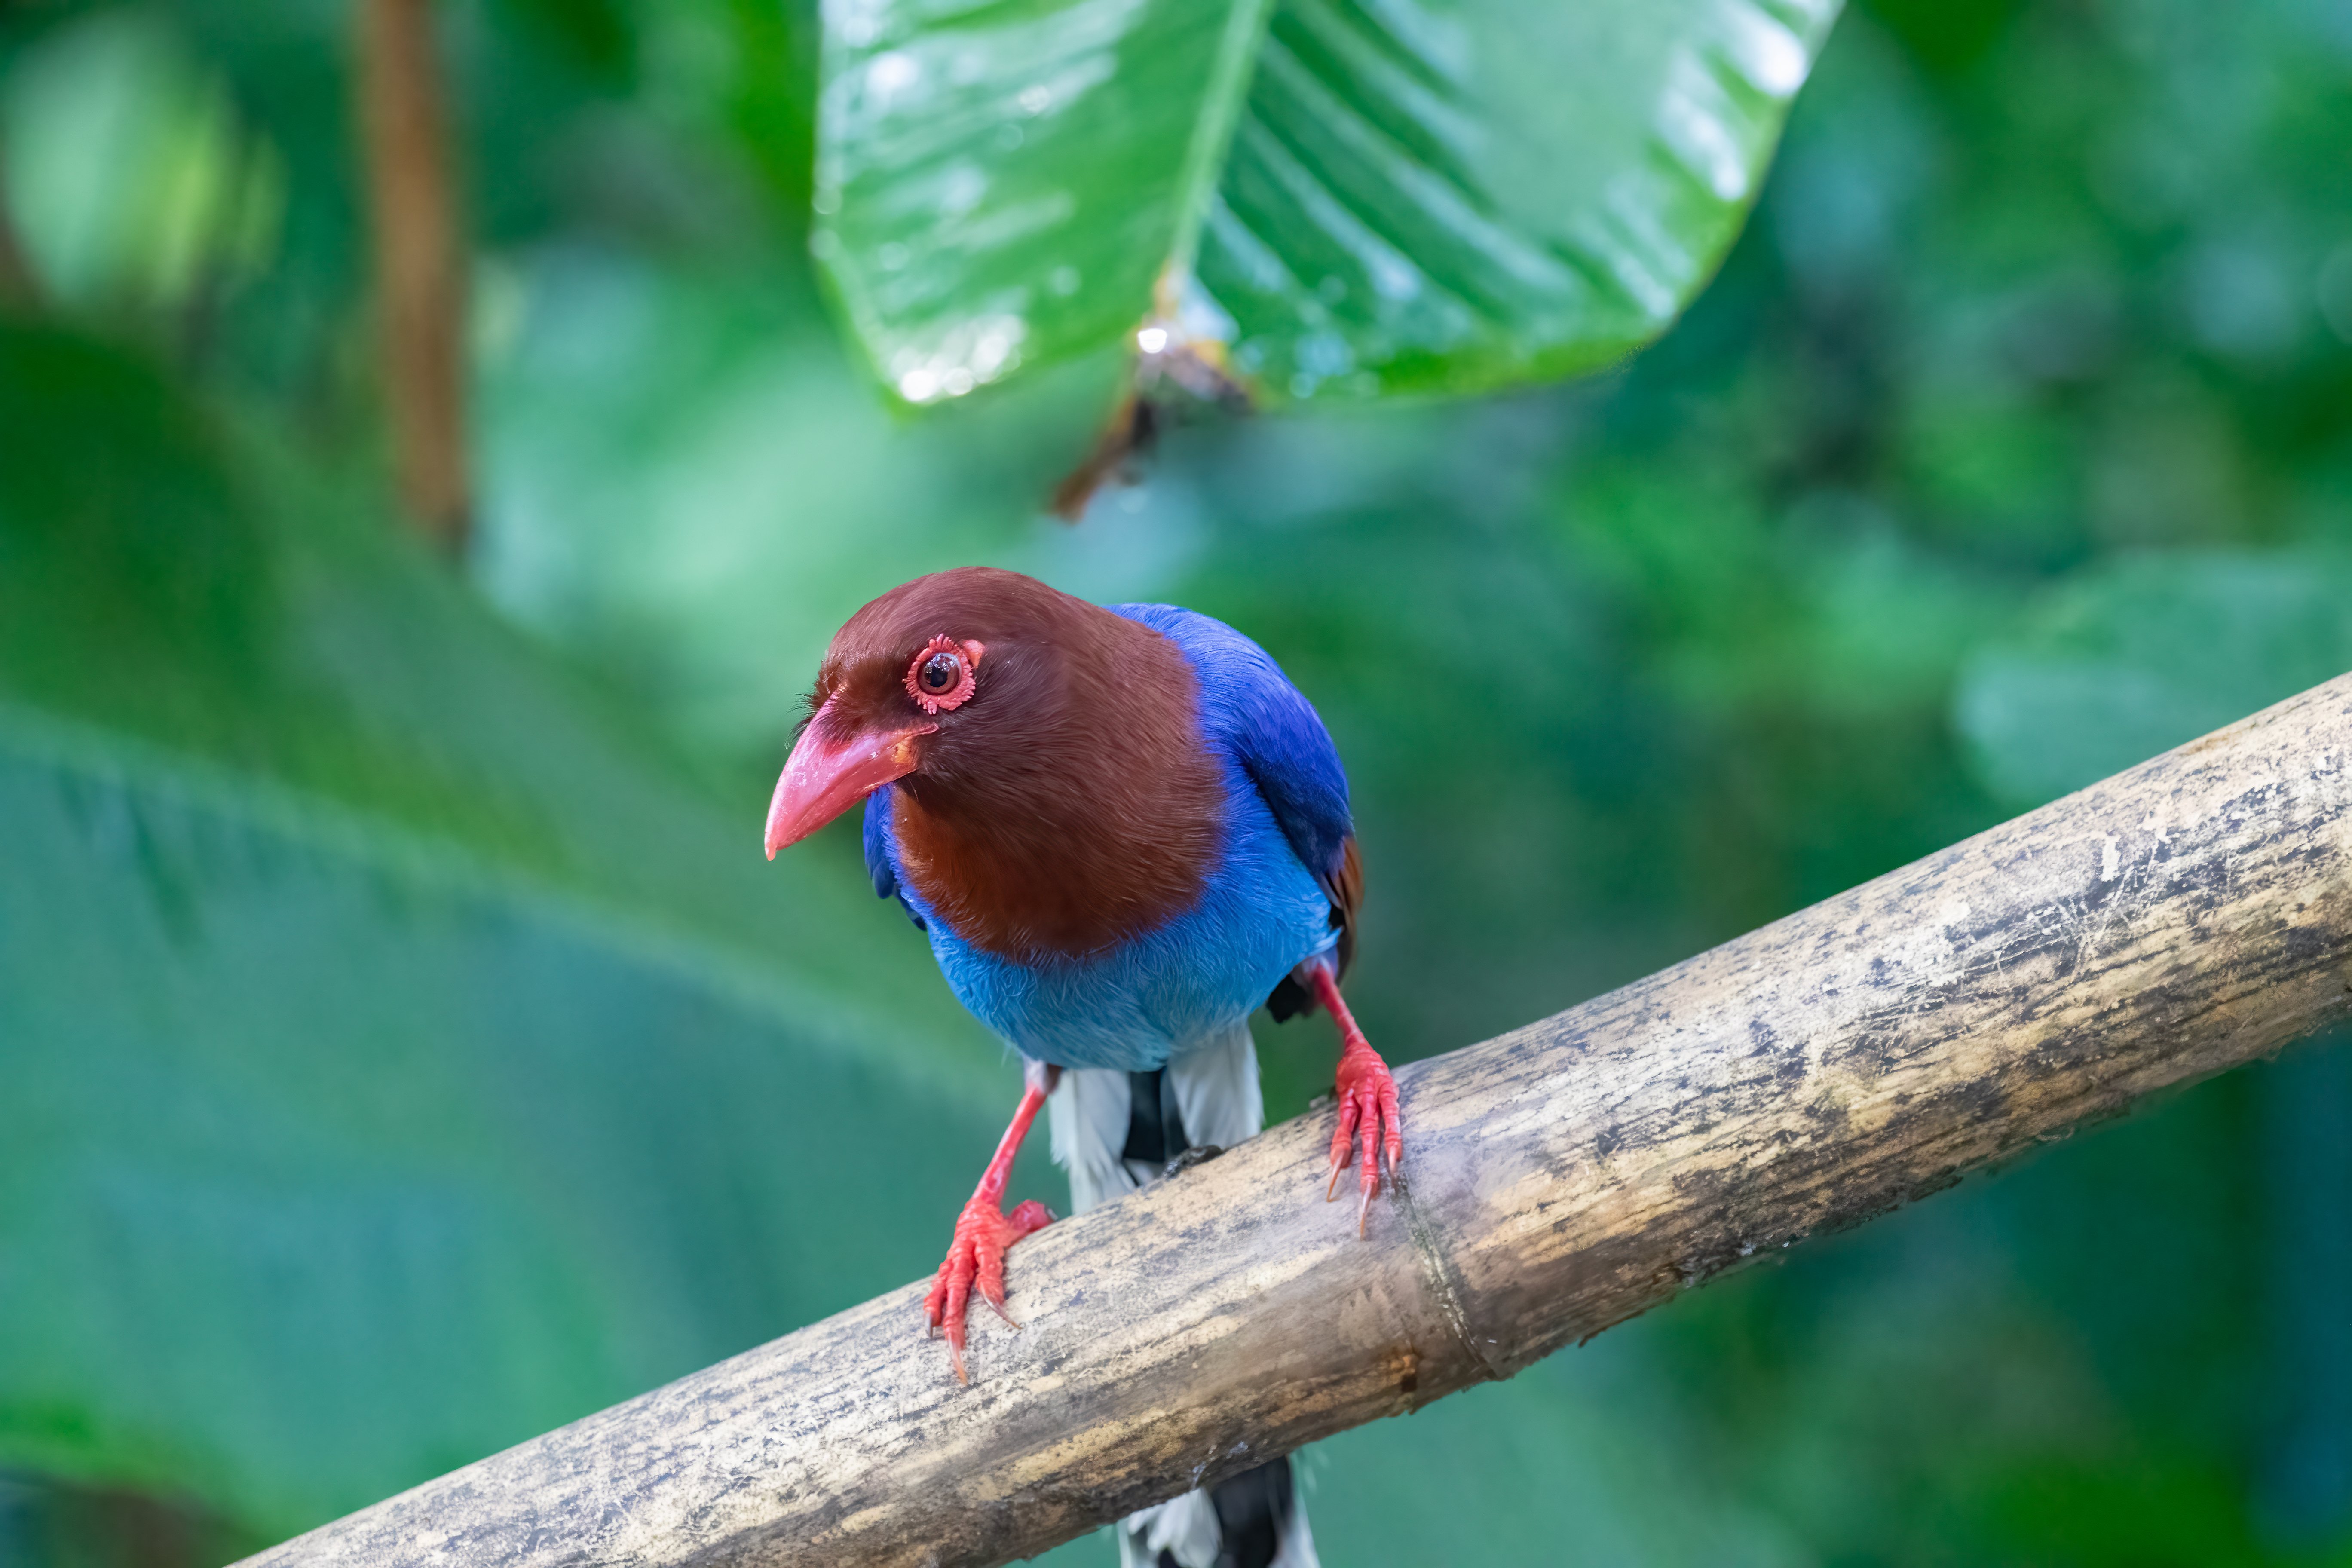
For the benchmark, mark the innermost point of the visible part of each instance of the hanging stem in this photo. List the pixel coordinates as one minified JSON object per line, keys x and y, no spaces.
{"x":419,"y":259}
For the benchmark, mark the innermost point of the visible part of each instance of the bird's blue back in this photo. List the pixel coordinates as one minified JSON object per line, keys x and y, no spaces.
{"x":1263,"y":907}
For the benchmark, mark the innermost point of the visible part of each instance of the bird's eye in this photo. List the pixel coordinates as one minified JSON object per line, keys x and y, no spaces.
{"x":943,"y":674}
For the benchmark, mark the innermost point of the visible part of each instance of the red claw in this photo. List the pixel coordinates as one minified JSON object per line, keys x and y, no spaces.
{"x":976,"y":1257}
{"x":1368,"y":1102}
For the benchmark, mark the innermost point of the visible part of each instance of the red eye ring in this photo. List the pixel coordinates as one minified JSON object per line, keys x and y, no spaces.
{"x":937,"y":658}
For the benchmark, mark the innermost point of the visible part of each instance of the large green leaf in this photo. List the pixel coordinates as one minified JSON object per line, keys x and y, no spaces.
{"x":1353,"y":196}
{"x":400,"y":1055}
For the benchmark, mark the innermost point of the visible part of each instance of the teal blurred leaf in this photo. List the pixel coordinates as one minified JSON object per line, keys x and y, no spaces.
{"x":401,"y":1054}
{"x":2133,"y":658}
{"x":1348,"y":197}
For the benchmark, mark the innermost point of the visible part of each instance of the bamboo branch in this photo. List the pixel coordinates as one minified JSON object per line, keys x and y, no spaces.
{"x":2172,"y":922}
{"x":420,"y":264}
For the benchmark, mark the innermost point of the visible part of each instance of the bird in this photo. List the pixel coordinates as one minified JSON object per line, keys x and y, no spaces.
{"x":1122,"y":829}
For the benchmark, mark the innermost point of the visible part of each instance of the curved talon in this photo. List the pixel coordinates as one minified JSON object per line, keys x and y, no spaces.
{"x":975,"y":1260}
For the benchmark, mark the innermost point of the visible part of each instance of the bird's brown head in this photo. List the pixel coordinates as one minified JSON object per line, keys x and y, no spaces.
{"x":1053,"y":791}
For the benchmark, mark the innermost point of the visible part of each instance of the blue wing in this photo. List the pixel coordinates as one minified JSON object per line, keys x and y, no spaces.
{"x":1250,"y":709}
{"x":877,"y":852}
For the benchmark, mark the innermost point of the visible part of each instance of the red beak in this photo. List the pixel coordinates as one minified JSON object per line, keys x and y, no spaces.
{"x":828,"y":773}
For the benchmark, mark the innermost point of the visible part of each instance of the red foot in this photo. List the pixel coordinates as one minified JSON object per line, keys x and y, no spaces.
{"x":1367,"y":1101}
{"x":976,"y":1257}
{"x":983,"y":1232}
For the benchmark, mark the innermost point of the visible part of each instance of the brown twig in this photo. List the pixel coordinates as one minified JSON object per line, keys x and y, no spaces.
{"x":420,"y":262}
{"x":2172,"y":922}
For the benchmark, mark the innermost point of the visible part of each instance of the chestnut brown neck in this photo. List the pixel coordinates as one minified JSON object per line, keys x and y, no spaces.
{"x":1075,"y":806}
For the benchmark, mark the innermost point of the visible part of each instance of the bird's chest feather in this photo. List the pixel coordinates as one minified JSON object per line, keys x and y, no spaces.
{"x":1163,"y":971}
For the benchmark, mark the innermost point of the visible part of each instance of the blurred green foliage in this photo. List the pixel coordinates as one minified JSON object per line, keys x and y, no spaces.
{"x":398,"y":1055}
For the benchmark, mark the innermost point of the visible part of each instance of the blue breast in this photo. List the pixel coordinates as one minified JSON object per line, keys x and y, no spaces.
{"x":1188,"y":980}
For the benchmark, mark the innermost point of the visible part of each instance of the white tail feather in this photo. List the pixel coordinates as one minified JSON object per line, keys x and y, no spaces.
{"x":1217,"y":1092}
{"x":1185,"y":1527}
{"x":1217,"y":1096}
{"x":1088,"y":1113}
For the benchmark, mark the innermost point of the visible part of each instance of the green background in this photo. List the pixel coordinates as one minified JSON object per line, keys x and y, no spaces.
{"x":404,"y":1049}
